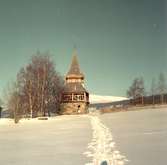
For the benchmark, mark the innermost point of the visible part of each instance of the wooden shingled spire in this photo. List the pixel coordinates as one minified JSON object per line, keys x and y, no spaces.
{"x":74,"y":67}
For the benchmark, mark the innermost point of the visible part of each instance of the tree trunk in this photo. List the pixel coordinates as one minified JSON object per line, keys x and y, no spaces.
{"x":142,"y":100}
{"x":162,"y":98}
{"x":153,"y":99}
{"x":30,"y":99}
{"x":42,"y":94}
{"x":16,"y":118}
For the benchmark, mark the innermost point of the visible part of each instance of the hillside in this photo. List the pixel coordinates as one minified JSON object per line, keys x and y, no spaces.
{"x":94,"y":99}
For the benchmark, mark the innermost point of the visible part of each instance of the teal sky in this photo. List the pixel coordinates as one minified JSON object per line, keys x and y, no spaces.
{"x":117,"y":40}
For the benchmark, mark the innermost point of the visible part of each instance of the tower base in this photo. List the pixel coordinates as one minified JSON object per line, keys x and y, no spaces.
{"x":73,"y":108}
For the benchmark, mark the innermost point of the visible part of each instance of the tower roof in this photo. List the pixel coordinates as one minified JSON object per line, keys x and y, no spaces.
{"x":74,"y":67}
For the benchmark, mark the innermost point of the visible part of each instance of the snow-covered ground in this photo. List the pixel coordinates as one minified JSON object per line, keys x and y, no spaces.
{"x":58,"y":141}
{"x":104,"y":99}
{"x":141,"y":136}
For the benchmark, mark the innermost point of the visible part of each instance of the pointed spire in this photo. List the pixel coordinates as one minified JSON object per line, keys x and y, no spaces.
{"x":74,"y":67}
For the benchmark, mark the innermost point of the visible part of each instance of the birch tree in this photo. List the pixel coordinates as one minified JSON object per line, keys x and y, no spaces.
{"x":39,"y":87}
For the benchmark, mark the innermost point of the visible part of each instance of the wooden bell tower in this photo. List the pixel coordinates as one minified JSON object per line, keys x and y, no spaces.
{"x":74,"y":98}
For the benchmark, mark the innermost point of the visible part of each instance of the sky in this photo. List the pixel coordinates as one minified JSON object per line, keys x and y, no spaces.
{"x":117,"y":40}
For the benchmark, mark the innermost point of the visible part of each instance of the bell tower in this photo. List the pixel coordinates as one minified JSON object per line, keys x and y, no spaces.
{"x":74,"y":98}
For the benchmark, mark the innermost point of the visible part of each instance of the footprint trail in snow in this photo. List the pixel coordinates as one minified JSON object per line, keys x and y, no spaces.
{"x":102,"y":148}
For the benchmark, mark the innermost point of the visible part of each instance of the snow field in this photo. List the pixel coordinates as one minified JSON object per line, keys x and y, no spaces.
{"x":59,"y":140}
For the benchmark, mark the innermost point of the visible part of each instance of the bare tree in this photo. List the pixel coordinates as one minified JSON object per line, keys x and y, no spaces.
{"x":137,"y":89}
{"x":141,"y":89}
{"x":13,"y":102}
{"x":39,"y":87}
{"x":153,"y":90}
{"x":1,"y":104}
{"x":162,"y":88}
